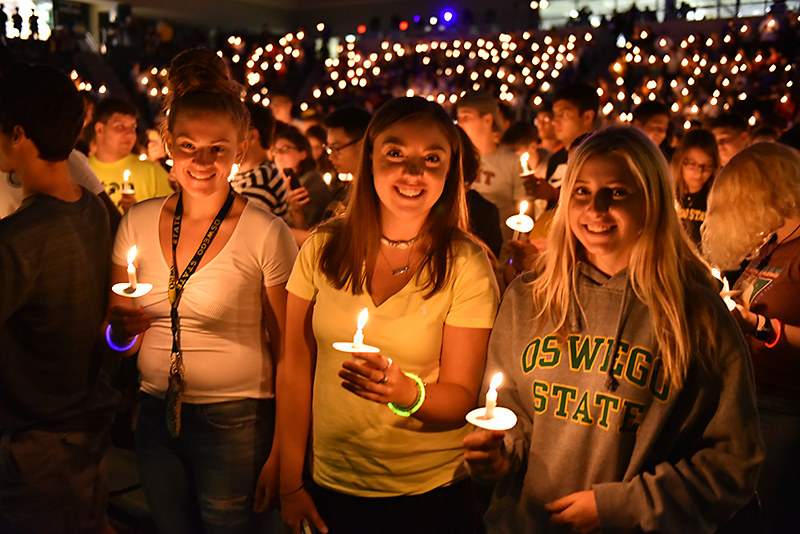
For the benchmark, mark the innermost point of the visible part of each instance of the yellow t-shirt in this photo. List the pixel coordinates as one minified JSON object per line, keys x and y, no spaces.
{"x":148,"y":179}
{"x":360,"y":447}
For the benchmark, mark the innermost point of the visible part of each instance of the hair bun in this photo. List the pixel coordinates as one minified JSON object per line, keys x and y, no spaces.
{"x":199,"y":70}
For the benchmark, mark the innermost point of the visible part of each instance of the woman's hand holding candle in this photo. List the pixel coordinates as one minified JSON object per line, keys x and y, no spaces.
{"x":485,"y":454}
{"x":127,"y":322}
{"x":377,"y":378}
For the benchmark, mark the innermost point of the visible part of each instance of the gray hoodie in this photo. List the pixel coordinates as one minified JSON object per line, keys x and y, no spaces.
{"x":659,"y":459}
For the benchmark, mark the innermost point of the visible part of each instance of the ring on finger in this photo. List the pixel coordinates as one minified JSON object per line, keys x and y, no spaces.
{"x":384,"y":379}
{"x":388,"y":364}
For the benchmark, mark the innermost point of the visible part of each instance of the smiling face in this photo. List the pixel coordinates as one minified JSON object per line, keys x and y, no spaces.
{"x":410,"y":162}
{"x":204,"y":147}
{"x":606,"y":212}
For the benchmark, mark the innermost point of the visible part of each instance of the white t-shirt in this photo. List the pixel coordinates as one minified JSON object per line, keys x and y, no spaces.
{"x":79,"y":170}
{"x":226,"y":353}
{"x":500,"y":182}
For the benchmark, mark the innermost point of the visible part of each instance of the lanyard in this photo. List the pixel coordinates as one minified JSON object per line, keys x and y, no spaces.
{"x":175,"y":389}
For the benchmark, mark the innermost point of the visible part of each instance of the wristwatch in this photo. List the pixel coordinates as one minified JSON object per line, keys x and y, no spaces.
{"x":764,"y":332}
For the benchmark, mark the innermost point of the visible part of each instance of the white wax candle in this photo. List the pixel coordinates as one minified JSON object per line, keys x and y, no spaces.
{"x":729,"y":302}
{"x":524,"y":161}
{"x":491,"y":395}
{"x":132,"y":268}
{"x":491,"y":403}
{"x":358,"y":338}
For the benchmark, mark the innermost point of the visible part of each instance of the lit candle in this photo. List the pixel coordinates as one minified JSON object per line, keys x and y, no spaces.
{"x":132,"y":269}
{"x":729,"y":302}
{"x":358,"y":338}
{"x":491,"y":395}
{"x":126,"y":188}
{"x":521,"y":224}
{"x":524,"y":161}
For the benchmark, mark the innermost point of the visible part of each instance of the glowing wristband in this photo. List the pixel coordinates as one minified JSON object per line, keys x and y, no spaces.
{"x":778,"y":333}
{"x":406,"y":412}
{"x":116,"y":347}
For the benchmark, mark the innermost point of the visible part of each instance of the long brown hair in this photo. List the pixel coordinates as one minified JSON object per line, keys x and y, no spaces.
{"x":355,"y":237}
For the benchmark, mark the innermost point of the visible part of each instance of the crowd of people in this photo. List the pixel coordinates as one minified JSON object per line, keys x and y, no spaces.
{"x":650,"y":397}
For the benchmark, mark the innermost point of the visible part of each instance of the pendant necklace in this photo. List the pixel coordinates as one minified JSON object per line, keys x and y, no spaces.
{"x":407,"y":266}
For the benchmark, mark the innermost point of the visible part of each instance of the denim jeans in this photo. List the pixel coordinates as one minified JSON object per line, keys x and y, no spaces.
{"x":204,"y":480}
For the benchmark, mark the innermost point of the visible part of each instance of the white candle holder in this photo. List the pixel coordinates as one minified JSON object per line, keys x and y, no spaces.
{"x":521,"y":224}
{"x":348,"y":346}
{"x":502,"y":419}
{"x":124,"y":289}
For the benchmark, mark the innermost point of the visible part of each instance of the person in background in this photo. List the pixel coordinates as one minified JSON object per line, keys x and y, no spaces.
{"x":500,"y":177}
{"x":484,"y":217}
{"x":732,"y":133}
{"x":694,"y":165}
{"x":575,"y":109}
{"x":258,"y":178}
{"x":345,"y":131}
{"x":629,"y":378}
{"x":308,"y":195}
{"x":11,"y":191}
{"x":522,"y":138}
{"x":387,"y":427}
{"x":653,"y":118}
{"x":547,"y":132}
{"x":210,"y":333}
{"x":55,"y":409}
{"x":754,"y":214}
{"x":317,"y":139}
{"x":114,"y":139}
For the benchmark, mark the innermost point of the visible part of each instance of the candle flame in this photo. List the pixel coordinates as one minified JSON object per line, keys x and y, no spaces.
{"x":524,"y":160}
{"x":523,"y":207}
{"x":716,"y":274}
{"x":362,"y":319}
{"x":126,"y":175}
{"x":496,"y":380}
{"x":131,"y":255}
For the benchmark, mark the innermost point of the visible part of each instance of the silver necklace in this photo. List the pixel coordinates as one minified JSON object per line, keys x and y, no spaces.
{"x":404,"y":268}
{"x":402,"y":245}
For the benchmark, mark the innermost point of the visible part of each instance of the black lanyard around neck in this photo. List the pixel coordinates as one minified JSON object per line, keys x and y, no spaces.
{"x":176,"y":286}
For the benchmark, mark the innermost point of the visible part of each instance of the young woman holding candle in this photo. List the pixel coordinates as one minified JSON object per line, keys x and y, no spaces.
{"x":387,"y":427}
{"x":694,"y":165}
{"x":754,"y":212}
{"x":628,"y":376}
{"x":210,"y":332}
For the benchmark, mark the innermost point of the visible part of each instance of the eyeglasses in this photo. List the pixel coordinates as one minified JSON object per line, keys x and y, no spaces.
{"x":337,"y":150}
{"x":693,"y":165}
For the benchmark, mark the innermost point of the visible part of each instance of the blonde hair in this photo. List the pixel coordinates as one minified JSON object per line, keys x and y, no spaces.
{"x":751,"y":196}
{"x":664,"y":268}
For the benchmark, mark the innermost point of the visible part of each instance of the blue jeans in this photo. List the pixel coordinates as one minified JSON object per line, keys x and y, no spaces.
{"x":204,"y":480}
